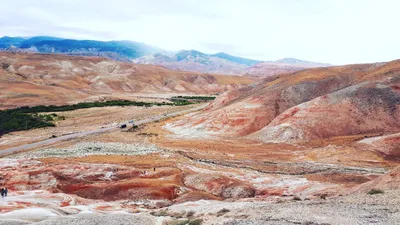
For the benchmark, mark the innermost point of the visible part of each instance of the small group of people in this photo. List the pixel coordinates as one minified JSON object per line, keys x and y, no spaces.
{"x":4,"y":192}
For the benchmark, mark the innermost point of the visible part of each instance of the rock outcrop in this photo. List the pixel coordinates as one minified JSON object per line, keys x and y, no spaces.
{"x":219,"y":185}
{"x":366,"y":108}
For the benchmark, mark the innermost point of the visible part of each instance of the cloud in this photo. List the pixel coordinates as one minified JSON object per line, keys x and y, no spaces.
{"x":333,"y":31}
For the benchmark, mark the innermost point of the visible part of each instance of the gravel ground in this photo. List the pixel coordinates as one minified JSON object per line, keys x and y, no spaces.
{"x":91,"y":148}
{"x":380,"y":209}
{"x":351,"y":209}
{"x":96,"y":219}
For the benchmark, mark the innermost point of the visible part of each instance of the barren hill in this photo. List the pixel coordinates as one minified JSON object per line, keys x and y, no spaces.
{"x":29,"y":79}
{"x":192,"y":60}
{"x":286,"y":65}
{"x":306,"y":105}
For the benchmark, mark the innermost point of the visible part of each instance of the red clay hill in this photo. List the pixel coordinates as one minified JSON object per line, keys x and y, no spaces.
{"x":306,"y":105}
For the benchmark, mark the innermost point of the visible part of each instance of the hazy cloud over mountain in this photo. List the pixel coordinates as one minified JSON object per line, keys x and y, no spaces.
{"x":327,"y":31}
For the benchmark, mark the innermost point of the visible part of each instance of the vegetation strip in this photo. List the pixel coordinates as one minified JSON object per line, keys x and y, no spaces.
{"x":203,"y":98}
{"x":26,"y":118}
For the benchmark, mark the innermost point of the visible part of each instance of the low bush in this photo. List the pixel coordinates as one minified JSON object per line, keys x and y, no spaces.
{"x":222,"y":212}
{"x":185,"y":222}
{"x":190,"y":213}
{"x":159,"y":213}
{"x":296,"y":198}
{"x":375,"y":191}
{"x":195,"y":222}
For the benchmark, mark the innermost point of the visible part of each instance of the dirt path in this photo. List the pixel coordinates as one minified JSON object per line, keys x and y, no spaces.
{"x":95,"y":131}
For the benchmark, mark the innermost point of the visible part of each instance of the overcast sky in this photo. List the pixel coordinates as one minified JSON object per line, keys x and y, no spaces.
{"x":332,"y":31}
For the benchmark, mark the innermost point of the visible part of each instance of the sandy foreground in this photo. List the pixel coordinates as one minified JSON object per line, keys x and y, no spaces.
{"x":356,"y":209}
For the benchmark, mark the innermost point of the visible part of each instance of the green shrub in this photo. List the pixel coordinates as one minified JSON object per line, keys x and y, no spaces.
{"x":159,"y":213}
{"x":5,"y":66}
{"x":195,"y":222}
{"x":190,"y":213}
{"x":375,"y":191}
{"x":178,"y":101}
{"x":323,"y":196}
{"x":223,"y":211}
{"x":296,"y":198}
{"x":185,"y":222}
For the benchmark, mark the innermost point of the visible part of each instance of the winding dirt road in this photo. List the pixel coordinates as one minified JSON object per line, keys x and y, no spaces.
{"x":96,"y":131}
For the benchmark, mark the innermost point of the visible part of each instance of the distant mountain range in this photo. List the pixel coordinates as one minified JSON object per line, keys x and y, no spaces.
{"x":185,"y":60}
{"x":192,"y":60}
{"x":119,"y":50}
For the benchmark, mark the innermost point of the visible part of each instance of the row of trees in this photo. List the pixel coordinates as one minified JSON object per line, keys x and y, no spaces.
{"x":84,"y":105}
{"x":203,"y":98}
{"x":11,"y":120}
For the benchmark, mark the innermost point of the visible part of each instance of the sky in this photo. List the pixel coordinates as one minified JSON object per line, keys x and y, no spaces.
{"x":330,"y":31}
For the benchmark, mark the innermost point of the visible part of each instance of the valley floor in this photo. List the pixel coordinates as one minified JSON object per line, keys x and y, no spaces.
{"x":150,"y":176}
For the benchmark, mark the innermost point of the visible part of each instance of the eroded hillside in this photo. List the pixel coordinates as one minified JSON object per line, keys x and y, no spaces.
{"x":31,"y":79}
{"x":292,"y":148}
{"x":305,"y":105}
